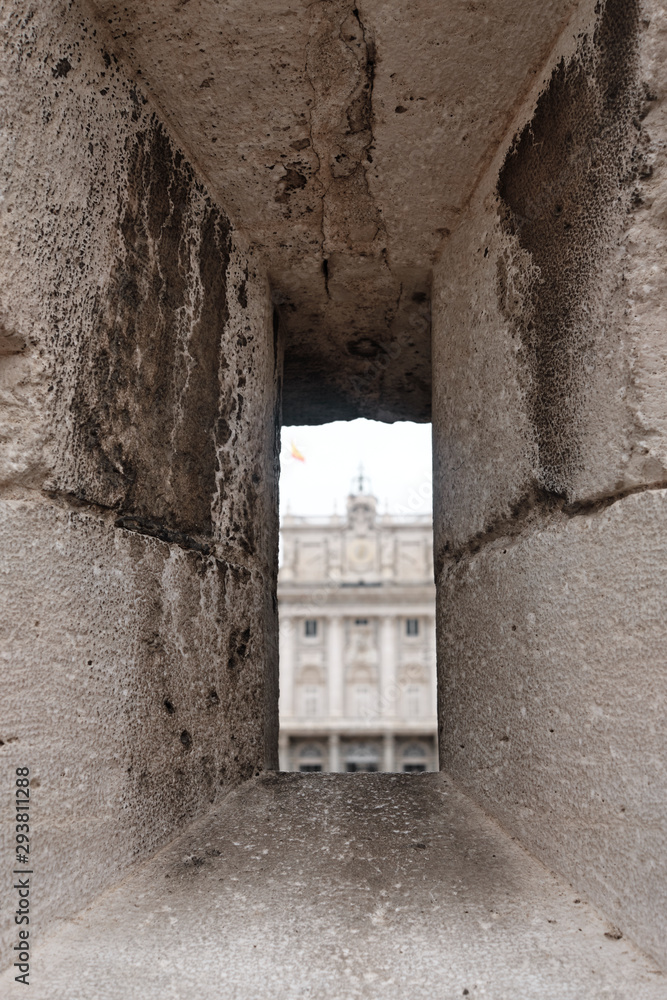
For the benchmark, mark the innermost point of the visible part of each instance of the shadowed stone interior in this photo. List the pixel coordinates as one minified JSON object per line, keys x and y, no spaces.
{"x":347,"y":886}
{"x":344,"y":138}
{"x":218,"y":216}
{"x":565,"y":187}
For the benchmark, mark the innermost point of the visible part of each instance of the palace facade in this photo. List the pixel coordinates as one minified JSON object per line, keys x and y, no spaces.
{"x":357,"y":642}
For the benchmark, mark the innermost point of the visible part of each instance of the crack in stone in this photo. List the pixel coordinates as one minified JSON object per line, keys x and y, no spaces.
{"x":131,"y":522}
{"x":341,"y":77}
{"x":317,"y":176}
{"x":325,"y":272}
{"x":538,"y":507}
{"x":369,"y":73}
{"x":146,"y":526}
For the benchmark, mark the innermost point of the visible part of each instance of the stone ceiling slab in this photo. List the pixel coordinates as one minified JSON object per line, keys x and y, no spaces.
{"x":344,"y":140}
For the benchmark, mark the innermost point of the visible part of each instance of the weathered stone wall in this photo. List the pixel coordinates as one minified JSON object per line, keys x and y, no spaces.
{"x":346,"y":137}
{"x":139,"y":388}
{"x":139,"y":380}
{"x":550,"y":451}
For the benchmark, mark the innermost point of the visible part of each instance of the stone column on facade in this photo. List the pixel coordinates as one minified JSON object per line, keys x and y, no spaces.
{"x":283,"y":752}
{"x":335,"y":667}
{"x":334,"y":752}
{"x":388,"y":753}
{"x":388,"y":687}
{"x":388,"y":557}
{"x":430,"y":658}
{"x":287,"y":652}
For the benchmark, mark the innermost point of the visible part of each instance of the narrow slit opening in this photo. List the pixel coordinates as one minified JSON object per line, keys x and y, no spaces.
{"x":356,"y":599}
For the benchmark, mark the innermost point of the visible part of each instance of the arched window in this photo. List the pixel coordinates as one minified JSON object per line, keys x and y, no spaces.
{"x":362,"y":691}
{"x":414,"y":759}
{"x":362,"y":757}
{"x":414,"y":691}
{"x":362,"y":699}
{"x":413,"y":701}
{"x":310,"y":692}
{"x":311,"y":700}
{"x":310,"y":758}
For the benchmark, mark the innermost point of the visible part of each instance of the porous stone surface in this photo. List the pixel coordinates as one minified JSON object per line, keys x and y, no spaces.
{"x":564,"y":188}
{"x":548,"y":344}
{"x":553,"y":688}
{"x":342,"y":886}
{"x":550,"y":453}
{"x":126,"y":691}
{"x":326,"y":181}
{"x":345,"y":138}
{"x":139,"y":377}
{"x":148,"y":349}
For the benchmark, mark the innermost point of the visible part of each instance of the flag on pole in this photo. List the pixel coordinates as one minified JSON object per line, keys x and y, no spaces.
{"x":295,"y":453}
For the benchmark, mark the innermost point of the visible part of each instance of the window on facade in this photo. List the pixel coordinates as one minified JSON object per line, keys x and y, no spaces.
{"x":355,"y":594}
{"x":362,"y":757}
{"x":414,"y":759}
{"x":310,"y":759}
{"x":362,"y":699}
{"x":311,"y":701}
{"x":413,"y":700}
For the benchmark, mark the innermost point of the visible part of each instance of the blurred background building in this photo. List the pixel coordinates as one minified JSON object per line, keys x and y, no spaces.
{"x":357,"y":641}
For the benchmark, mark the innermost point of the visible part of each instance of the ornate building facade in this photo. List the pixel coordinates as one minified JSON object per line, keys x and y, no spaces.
{"x":357,"y":642}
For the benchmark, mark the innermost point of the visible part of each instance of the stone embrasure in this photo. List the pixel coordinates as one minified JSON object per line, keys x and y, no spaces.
{"x":346,"y":139}
{"x":216,"y":217}
{"x":343,"y":886}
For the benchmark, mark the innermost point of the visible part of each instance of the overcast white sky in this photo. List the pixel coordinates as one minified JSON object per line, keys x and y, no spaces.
{"x":396,"y":458}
